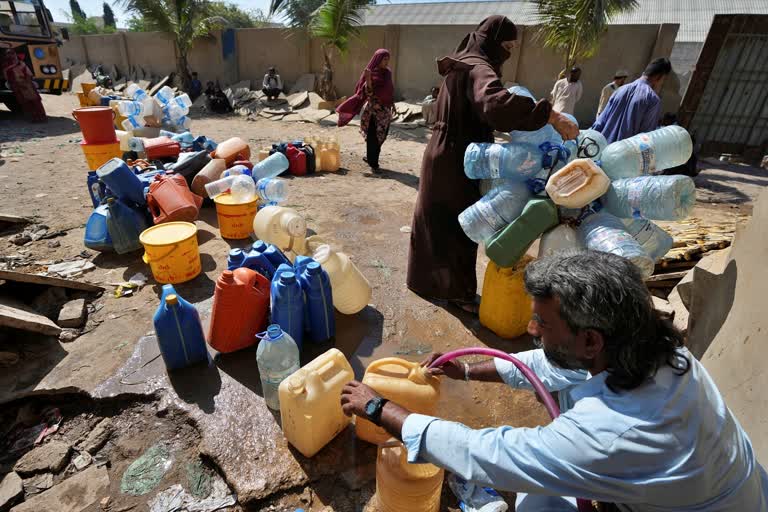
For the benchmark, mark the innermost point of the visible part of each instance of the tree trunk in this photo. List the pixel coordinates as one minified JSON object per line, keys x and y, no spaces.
{"x":182,"y":71}
{"x":327,"y":89}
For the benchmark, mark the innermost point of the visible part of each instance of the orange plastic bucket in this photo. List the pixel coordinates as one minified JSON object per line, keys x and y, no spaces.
{"x":96,"y":123}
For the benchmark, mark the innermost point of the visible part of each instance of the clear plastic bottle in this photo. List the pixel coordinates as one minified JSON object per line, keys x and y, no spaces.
{"x":494,"y":211}
{"x":220,"y":186}
{"x":604,"y":232}
{"x":132,"y":123}
{"x":175,"y":112}
{"x":270,"y":167}
{"x":590,"y":144}
{"x":474,"y":498}
{"x":182,"y":100}
{"x":272,"y":190}
{"x":651,"y":237}
{"x":513,"y":161}
{"x":236,"y":171}
{"x":645,"y":153}
{"x":130,"y":108}
{"x":651,"y":197}
{"x":136,"y":93}
{"x":277,"y":358}
{"x":136,"y":144}
{"x":243,"y":189}
{"x":164,"y":95}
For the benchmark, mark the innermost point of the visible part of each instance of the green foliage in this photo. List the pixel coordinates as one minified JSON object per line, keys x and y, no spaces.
{"x":84,"y":26}
{"x":137,"y":24}
{"x":299,"y":13}
{"x":338,"y":22}
{"x":574,"y":27}
{"x":77,"y":11}
{"x":109,"y":16}
{"x":237,"y":17}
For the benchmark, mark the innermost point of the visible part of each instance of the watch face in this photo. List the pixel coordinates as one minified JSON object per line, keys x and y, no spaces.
{"x":370,"y":407}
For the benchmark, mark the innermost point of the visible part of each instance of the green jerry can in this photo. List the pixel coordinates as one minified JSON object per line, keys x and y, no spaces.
{"x":508,"y":245}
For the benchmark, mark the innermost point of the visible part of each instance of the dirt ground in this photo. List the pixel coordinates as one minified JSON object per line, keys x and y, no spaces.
{"x":43,"y":175}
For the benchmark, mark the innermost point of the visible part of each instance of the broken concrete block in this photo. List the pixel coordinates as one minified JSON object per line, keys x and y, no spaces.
{"x":298,"y":100}
{"x":305,"y":82}
{"x":51,"y":457}
{"x":38,"y":484}
{"x":72,"y":495}
{"x":98,"y":436}
{"x":73,"y":314}
{"x":11,"y":489}
{"x":680,"y":319}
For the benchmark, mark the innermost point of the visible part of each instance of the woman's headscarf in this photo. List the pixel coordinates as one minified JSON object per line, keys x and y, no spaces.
{"x":383,"y":89}
{"x":485,"y":42}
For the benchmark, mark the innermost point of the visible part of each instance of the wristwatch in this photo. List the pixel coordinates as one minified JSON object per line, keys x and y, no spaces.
{"x":373,"y":409}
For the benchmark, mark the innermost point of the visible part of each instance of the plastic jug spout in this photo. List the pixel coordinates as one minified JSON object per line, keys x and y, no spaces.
{"x":227,"y":276}
{"x":420,"y":375}
{"x":294,"y":225}
{"x":297,"y":384}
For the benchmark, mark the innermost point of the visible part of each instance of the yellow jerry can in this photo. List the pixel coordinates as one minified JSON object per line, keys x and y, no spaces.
{"x":505,"y":307}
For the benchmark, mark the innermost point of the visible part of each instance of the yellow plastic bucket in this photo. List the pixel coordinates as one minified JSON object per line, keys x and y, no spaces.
{"x":97,"y":155}
{"x":171,"y":251}
{"x":235,"y":219}
{"x":505,"y":307}
{"x":88,"y":87}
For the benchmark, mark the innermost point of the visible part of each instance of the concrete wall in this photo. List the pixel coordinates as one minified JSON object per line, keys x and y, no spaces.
{"x":414,"y":50}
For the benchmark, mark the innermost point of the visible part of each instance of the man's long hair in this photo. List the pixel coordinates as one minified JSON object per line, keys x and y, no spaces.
{"x":605,"y":292}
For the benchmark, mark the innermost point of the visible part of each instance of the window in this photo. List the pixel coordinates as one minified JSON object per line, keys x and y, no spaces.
{"x":22,"y":18}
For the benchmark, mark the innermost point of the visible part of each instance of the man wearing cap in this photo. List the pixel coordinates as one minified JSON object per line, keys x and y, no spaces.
{"x":567,"y":91}
{"x":619,"y":79}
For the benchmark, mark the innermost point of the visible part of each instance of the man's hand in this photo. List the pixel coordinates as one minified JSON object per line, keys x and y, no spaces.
{"x":354,"y":397}
{"x":451,"y":369}
{"x":567,"y":129}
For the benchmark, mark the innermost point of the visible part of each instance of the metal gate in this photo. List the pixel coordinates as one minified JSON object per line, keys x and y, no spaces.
{"x":726,"y":105}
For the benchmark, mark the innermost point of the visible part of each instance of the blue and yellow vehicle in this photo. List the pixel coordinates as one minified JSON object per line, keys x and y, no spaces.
{"x":26,"y":27}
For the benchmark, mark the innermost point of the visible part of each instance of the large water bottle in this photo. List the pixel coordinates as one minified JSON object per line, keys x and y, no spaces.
{"x":651,"y":197}
{"x":272,"y":190}
{"x":513,"y":161}
{"x":136,"y":93}
{"x":164,"y":95}
{"x":130,"y":108}
{"x":183,"y":101}
{"x":494,"y":211}
{"x":645,"y":153}
{"x":243,"y":189}
{"x":604,"y":232}
{"x":236,"y":171}
{"x":590,"y":144}
{"x":136,"y":144}
{"x":271,"y":167}
{"x":131,"y":123}
{"x":651,"y":237}
{"x":183,"y":123}
{"x":175,"y":112}
{"x":474,"y":498}
{"x":277,"y":358}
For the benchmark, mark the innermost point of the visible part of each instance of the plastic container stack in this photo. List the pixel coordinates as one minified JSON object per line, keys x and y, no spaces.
{"x":538,"y":185}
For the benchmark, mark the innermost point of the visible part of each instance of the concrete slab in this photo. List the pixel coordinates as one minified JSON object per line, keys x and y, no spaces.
{"x":72,"y":495}
{"x":305,"y":82}
{"x":298,"y":100}
{"x":19,"y":316}
{"x":736,"y":358}
{"x":11,"y":489}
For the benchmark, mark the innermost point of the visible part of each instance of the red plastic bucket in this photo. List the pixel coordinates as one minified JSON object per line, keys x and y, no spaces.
{"x":96,"y":123}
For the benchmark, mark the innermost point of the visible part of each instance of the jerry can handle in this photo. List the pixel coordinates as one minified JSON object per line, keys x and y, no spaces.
{"x":412,"y":371}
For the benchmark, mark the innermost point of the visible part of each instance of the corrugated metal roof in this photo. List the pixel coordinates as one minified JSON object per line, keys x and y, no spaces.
{"x":693,"y":16}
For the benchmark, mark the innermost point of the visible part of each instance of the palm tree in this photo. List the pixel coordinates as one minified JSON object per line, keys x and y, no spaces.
{"x":574,"y":27}
{"x":337,"y":22}
{"x":185,"y":20}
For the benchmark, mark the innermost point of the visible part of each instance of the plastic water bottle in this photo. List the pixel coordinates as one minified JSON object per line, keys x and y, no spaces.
{"x":651,"y":237}
{"x":136,"y":144}
{"x":136,"y":93}
{"x":184,"y":139}
{"x":164,"y":95}
{"x":272,"y":190}
{"x":474,"y":498}
{"x":651,"y":197}
{"x":513,"y":161}
{"x":277,"y":358}
{"x":182,"y":100}
{"x":603,"y":232}
{"x":132,"y":123}
{"x":590,"y":144}
{"x":243,"y":189}
{"x":536,"y":137}
{"x":237,"y":170}
{"x":130,"y":108}
{"x":271,"y":167}
{"x":494,"y":211}
{"x":645,"y":153}
{"x":183,"y":123}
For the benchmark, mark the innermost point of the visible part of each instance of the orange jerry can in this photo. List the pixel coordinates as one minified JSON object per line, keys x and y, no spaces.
{"x":170,"y":200}
{"x":231,"y":150}
{"x":240,"y":309}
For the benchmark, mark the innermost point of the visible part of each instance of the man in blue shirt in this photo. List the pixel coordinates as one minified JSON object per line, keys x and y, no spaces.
{"x":648,"y":430}
{"x":636,"y":107}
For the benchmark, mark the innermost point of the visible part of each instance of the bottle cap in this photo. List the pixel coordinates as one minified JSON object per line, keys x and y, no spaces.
{"x":171,"y":300}
{"x":227,"y":276}
{"x":259,"y":246}
{"x":287,"y":277}
{"x":313,"y":268}
{"x":274,"y":332}
{"x":236,"y":253}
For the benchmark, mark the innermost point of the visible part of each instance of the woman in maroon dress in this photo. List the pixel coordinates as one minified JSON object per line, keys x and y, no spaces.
{"x":374,"y":95}
{"x":21,"y":81}
{"x":472,"y":104}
